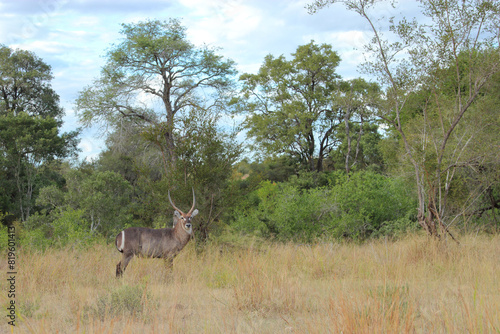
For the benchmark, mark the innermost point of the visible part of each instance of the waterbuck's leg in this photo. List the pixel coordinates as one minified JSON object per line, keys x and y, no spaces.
{"x":120,"y":267}
{"x":169,"y":264}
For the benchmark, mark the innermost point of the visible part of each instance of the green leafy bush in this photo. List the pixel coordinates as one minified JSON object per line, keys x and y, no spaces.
{"x":69,"y":227}
{"x":368,"y":201}
{"x":358,"y":206}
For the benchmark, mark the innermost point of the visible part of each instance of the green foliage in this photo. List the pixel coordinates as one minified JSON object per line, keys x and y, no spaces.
{"x":30,"y":118}
{"x":356,"y":137}
{"x":71,"y":228}
{"x":204,"y":151}
{"x":92,"y":204}
{"x":37,"y":238}
{"x":25,"y":85}
{"x":105,"y":199}
{"x":64,"y":228}
{"x":371,"y":200}
{"x":3,"y":233}
{"x":289,"y":104}
{"x":359,"y":206}
{"x":24,"y":160}
{"x":364,"y":153}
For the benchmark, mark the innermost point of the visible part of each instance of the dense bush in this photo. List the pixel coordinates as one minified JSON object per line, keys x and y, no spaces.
{"x":68,"y":228}
{"x":369,"y":203}
{"x":358,"y":206}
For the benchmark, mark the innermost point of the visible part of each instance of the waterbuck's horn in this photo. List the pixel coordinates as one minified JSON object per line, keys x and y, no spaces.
{"x":194,"y":202}
{"x":176,"y":208}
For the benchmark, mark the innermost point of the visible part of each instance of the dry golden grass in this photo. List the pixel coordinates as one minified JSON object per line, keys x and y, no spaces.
{"x":414,"y":285}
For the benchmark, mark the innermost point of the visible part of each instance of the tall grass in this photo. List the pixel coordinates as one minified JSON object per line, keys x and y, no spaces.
{"x":415,"y":285}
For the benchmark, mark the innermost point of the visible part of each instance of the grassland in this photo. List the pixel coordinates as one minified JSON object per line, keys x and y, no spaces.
{"x":414,"y":285}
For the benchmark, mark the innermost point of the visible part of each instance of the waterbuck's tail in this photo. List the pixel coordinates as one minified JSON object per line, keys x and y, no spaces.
{"x":120,"y":241}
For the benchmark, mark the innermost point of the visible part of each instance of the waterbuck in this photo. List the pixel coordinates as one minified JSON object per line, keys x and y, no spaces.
{"x":163,"y":243}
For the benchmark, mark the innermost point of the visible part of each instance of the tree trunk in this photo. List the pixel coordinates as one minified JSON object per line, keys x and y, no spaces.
{"x":169,"y":131}
{"x":347,"y":116}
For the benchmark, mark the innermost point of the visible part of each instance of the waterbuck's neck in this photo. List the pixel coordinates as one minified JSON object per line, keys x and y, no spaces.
{"x":180,"y":234}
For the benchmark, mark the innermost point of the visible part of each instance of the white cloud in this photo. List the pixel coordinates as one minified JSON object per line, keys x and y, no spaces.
{"x":348,"y":39}
{"x":40,"y":47}
{"x":221,"y":22}
{"x":91,"y":147}
{"x":349,"y":45}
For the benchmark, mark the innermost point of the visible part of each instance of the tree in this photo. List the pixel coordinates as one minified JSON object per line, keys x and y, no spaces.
{"x":289,"y":104}
{"x":206,"y":155}
{"x":156,"y":62}
{"x":25,"y":85}
{"x":103,"y":200}
{"x":206,"y":159}
{"x":30,"y":118}
{"x":357,"y":101}
{"x":450,"y":62}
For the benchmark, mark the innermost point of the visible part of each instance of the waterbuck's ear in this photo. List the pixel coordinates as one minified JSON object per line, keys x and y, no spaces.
{"x":195,"y":212}
{"x":177,"y":215}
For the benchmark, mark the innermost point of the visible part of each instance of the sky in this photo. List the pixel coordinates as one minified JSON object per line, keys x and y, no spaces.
{"x":73,"y":36}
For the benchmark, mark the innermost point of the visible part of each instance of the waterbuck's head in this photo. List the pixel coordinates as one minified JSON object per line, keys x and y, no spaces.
{"x":184,"y":218}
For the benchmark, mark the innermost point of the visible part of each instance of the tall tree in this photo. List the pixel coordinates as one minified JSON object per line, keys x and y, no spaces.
{"x":357,"y":101}
{"x":156,"y":62}
{"x":450,"y":60}
{"x":30,"y":118}
{"x":25,"y":85}
{"x":289,"y":104}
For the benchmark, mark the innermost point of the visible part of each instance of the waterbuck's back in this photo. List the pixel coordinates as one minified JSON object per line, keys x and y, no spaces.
{"x":149,"y":242}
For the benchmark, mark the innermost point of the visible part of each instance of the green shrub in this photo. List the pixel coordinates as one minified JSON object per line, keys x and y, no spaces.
{"x":359,"y":206}
{"x":37,"y":238}
{"x":71,"y":228}
{"x":123,"y":301}
{"x":68,"y":228}
{"x":4,"y":235}
{"x":368,"y":201}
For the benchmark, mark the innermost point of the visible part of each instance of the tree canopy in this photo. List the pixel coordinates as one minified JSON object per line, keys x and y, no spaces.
{"x":30,"y":118}
{"x":155,"y":61}
{"x":289,"y":104}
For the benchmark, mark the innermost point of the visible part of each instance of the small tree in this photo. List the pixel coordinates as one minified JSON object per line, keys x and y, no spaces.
{"x":102,"y":200}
